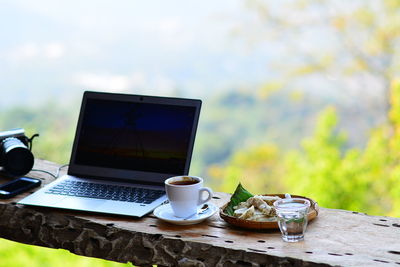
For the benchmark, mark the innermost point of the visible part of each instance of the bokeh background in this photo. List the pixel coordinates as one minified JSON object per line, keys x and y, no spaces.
{"x":299,"y":96}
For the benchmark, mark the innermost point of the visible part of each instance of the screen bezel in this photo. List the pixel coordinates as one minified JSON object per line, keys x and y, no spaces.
{"x":130,"y":175}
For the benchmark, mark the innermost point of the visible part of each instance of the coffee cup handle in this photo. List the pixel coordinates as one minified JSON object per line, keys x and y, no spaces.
{"x":208,"y":198}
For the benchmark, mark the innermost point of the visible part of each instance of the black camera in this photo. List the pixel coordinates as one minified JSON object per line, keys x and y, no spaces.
{"x":16,"y":157}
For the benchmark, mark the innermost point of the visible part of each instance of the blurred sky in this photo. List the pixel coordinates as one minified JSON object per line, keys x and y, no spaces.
{"x":56,"y":49}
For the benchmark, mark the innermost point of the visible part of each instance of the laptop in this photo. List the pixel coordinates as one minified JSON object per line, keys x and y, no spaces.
{"x":125,"y":146}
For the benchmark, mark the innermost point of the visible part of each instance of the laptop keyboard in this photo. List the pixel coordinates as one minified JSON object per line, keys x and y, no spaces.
{"x":104,"y":191}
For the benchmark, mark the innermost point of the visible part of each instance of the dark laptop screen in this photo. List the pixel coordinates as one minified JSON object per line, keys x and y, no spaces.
{"x":145,"y":137}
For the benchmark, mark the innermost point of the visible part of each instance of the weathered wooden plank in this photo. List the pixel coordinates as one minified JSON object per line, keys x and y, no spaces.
{"x":335,"y":237}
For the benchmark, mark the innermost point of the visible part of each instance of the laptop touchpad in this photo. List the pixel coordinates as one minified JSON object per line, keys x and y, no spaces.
{"x":80,"y":203}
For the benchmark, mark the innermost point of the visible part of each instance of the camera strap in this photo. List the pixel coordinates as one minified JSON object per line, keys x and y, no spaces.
{"x":29,"y":140}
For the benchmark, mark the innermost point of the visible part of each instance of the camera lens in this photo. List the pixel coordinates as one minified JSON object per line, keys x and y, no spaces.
{"x":17,"y":158}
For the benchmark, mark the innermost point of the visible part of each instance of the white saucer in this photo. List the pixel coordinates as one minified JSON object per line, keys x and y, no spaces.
{"x":165,"y":213}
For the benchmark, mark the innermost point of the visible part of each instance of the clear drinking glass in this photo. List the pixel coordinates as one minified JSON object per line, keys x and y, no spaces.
{"x":292,"y":217}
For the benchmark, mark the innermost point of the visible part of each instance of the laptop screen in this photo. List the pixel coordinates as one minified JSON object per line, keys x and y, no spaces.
{"x":140,"y":138}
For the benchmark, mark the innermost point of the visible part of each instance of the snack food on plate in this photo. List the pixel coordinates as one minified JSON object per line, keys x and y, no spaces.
{"x":256,"y":208}
{"x":244,"y":205}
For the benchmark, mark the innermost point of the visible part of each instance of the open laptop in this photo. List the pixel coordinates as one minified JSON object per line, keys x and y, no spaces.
{"x":125,"y":147}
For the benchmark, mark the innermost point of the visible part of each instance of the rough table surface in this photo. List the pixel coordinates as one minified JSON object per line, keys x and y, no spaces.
{"x":334,"y":238}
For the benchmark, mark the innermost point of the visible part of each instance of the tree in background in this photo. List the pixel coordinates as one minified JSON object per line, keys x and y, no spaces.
{"x":361,"y":179}
{"x":356,"y":179}
{"x":361,"y":47}
{"x":347,"y":49}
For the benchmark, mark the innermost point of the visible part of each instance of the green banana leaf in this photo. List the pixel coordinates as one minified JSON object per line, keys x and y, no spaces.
{"x":240,"y":195}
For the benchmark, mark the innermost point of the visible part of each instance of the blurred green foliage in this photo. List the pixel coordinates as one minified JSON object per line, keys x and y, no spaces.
{"x":326,"y":165}
{"x":54,"y":124}
{"x":325,"y":168}
{"x":14,"y":254}
{"x":244,"y":117}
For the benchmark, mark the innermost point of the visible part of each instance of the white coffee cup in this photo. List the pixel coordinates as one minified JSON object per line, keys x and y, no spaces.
{"x":186,"y":194}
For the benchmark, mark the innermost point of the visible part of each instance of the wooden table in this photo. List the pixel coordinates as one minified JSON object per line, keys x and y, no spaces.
{"x":334,"y":238}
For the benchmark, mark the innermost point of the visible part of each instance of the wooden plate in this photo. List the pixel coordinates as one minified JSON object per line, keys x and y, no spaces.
{"x":312,"y":213}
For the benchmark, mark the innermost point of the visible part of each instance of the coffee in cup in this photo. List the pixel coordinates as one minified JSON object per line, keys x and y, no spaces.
{"x":186,"y":194}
